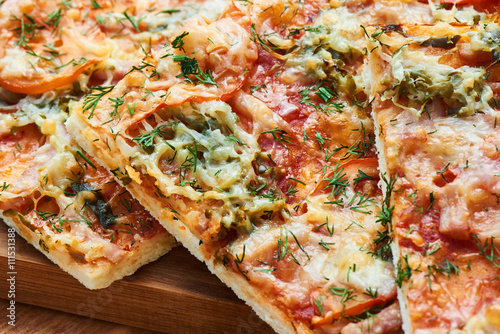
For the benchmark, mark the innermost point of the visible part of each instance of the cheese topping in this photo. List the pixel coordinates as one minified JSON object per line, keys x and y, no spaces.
{"x":335,"y":39}
{"x":422,"y":78}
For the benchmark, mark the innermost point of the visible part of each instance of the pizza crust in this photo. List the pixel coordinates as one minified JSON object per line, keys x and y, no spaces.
{"x":376,"y":70}
{"x":99,"y":275}
{"x":402,"y":296}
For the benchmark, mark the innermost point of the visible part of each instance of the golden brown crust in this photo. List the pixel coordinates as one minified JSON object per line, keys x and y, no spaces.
{"x":95,"y":275}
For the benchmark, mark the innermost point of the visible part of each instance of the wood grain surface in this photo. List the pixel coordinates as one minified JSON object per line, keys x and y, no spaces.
{"x":176,"y":294}
{"x":39,"y":320}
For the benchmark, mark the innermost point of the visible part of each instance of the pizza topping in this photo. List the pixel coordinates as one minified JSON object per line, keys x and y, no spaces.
{"x":197,"y":153}
{"x":463,"y":89}
{"x":217,"y":62}
{"x":273,"y":171}
{"x":487,"y":40}
{"x":48,"y":46}
{"x":330,"y":48}
{"x":445,"y":42}
{"x":451,"y":14}
{"x":379,"y":13}
{"x":388,"y":320}
{"x":61,"y":194}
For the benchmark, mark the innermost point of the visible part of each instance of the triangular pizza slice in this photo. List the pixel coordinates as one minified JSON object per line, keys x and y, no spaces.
{"x":258,"y":156}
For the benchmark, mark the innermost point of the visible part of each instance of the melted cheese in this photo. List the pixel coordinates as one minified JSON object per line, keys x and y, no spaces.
{"x":16,"y":62}
{"x":467,"y":15}
{"x":101,"y":36}
{"x":223,"y":166}
{"x":335,"y":39}
{"x":385,"y":12}
{"x":422,"y":78}
{"x":169,"y":24}
{"x":487,"y":321}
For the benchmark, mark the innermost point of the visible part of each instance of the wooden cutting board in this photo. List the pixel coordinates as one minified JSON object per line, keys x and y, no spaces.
{"x":176,"y":294}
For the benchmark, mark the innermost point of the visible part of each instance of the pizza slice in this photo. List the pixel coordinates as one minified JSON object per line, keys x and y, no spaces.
{"x":266,"y":174}
{"x":71,"y":209}
{"x":436,"y":116}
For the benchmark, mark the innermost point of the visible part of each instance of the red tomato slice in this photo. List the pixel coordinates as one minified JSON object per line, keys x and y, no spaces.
{"x":39,"y":85}
{"x":351,"y":310}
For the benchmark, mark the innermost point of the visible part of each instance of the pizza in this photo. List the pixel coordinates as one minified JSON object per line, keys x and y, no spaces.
{"x":53,"y":193}
{"x":72,"y":210}
{"x":299,"y":149}
{"x":436,"y":118}
{"x":263,"y":171}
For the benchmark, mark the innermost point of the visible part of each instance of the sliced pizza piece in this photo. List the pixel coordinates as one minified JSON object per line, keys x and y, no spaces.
{"x":301,"y":267}
{"x":71,"y":209}
{"x":277,"y":204}
{"x":436,"y":115}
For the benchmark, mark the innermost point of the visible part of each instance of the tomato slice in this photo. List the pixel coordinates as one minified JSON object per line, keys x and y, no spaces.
{"x":42,"y":84}
{"x":351,"y":310}
{"x":17,"y":151}
{"x":223,"y":49}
